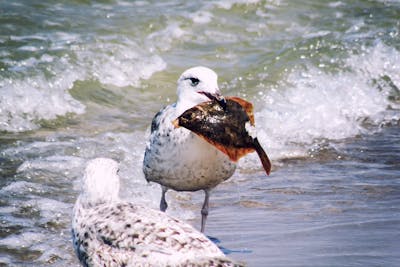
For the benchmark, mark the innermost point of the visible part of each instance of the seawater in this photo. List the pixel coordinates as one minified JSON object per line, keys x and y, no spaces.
{"x":82,"y":79}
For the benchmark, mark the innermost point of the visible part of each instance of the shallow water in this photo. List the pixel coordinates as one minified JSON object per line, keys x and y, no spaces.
{"x":334,"y":212}
{"x":83,"y":79}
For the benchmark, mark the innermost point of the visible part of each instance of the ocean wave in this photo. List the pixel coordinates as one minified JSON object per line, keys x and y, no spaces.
{"x":25,"y":101}
{"x":312,"y":105}
{"x":37,"y":88}
{"x":118,"y":64}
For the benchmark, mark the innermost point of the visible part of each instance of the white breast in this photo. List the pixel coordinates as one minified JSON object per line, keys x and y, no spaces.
{"x":179,"y":159}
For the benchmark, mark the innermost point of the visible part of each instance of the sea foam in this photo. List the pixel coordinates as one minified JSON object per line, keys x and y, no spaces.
{"x":37,"y":88}
{"x":24,"y":101}
{"x":312,"y":105}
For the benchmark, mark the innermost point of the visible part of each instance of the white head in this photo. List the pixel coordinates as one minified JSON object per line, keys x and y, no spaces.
{"x":101,"y":180}
{"x":197,"y":85}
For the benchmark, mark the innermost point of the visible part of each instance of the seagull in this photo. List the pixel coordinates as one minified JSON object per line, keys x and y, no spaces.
{"x":177,"y":158}
{"x":108,"y":231}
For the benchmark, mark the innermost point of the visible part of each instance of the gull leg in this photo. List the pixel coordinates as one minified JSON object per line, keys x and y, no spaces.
{"x":204,"y":210}
{"x":163,"y":202}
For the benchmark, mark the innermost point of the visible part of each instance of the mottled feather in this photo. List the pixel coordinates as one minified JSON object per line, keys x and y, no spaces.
{"x":113,"y":232}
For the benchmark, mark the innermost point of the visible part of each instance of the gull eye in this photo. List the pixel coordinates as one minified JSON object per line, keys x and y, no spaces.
{"x":194,"y":81}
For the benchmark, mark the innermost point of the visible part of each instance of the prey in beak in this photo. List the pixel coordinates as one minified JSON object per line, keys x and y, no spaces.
{"x":232,"y":131}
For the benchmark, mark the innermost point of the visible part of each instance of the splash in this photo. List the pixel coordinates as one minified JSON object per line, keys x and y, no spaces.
{"x":24,"y":101}
{"x":312,"y":105}
{"x":118,"y":64}
{"x":35,"y":89}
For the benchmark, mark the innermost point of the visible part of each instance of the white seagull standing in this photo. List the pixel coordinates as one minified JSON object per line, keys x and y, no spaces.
{"x":178,"y":159}
{"x":108,"y":231}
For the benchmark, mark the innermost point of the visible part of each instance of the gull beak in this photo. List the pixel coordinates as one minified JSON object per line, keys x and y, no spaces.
{"x":217,"y":97}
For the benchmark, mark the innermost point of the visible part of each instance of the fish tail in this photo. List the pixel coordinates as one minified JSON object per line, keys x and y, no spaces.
{"x":263,"y":156}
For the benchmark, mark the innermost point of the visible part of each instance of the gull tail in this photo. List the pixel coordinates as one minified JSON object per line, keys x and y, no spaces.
{"x":263,"y":156}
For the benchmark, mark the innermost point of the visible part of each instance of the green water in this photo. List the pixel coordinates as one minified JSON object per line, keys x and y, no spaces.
{"x":82,"y":79}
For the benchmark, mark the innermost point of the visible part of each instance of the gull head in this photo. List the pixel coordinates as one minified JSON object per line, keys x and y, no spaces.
{"x":101,"y":181}
{"x":197,"y":85}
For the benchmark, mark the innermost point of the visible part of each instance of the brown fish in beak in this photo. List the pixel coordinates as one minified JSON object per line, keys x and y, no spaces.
{"x":230,"y":128}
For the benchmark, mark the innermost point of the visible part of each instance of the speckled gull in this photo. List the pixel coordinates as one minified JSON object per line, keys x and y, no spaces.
{"x":108,"y":231}
{"x":178,"y":159}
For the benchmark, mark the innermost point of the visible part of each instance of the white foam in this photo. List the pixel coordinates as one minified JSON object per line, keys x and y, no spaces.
{"x":312,"y":105}
{"x":55,"y":164}
{"x":37,"y":88}
{"x":34,"y":98}
{"x":49,"y":245}
{"x":336,"y":4}
{"x":201,"y":17}
{"x":37,"y":148}
{"x":120,"y":64}
{"x":376,"y":62}
{"x":50,"y":210}
{"x":28,"y":48}
{"x":23,"y":188}
{"x":23,"y":240}
{"x":59,"y":160}
{"x":227,"y":4}
{"x":163,"y":39}
{"x":6,"y":260}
